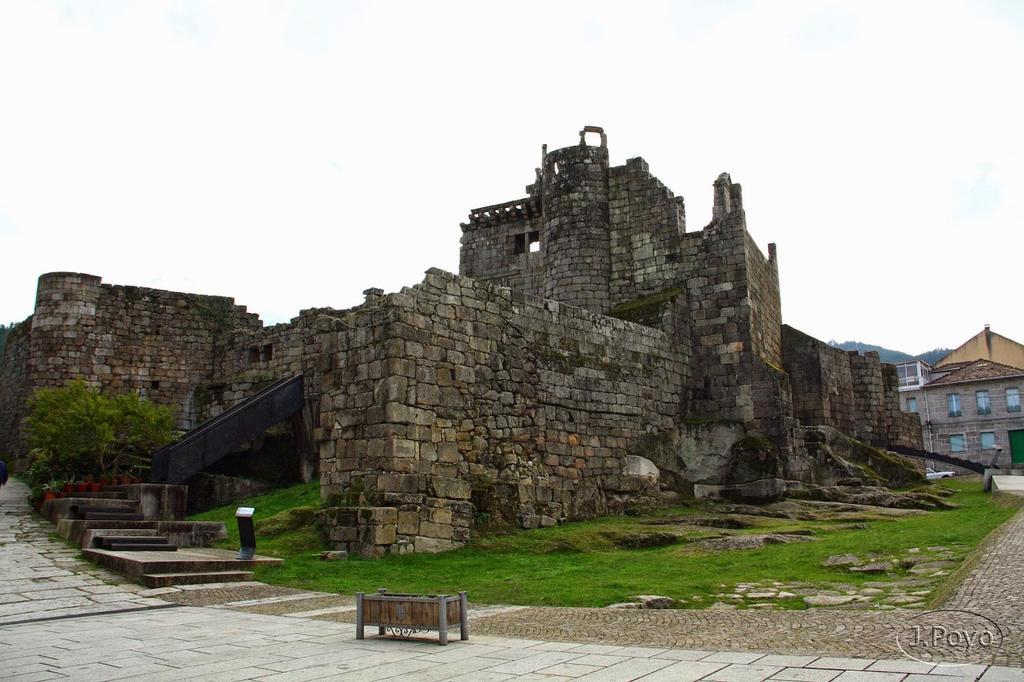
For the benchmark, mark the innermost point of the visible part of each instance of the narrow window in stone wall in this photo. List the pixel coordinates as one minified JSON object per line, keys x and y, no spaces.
{"x":267,"y":353}
{"x":988,"y":440}
{"x":254,"y":355}
{"x":155,"y":385}
{"x":520,"y":244}
{"x":984,"y":404}
{"x":953,"y":401}
{"x":957,"y":442}
{"x":911,"y":404}
{"x":534,"y":242}
{"x":1013,"y":400}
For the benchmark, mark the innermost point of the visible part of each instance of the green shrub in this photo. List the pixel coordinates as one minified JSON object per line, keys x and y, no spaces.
{"x":76,"y":431}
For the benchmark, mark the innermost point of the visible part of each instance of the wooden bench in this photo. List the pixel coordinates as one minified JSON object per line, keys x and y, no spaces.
{"x":405,"y":614}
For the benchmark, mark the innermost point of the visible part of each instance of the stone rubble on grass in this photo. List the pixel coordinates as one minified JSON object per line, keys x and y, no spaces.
{"x":653,"y":601}
{"x":841,"y":560}
{"x":827,"y":600}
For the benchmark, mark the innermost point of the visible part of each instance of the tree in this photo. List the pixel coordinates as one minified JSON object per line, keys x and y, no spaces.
{"x":77,"y":431}
{"x":5,"y":329}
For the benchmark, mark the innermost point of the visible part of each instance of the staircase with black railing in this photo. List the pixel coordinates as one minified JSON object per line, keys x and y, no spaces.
{"x":936,"y":457}
{"x":212,"y":440}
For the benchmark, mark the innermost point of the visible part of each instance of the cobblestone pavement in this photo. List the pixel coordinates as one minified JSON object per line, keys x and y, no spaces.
{"x":80,"y":622}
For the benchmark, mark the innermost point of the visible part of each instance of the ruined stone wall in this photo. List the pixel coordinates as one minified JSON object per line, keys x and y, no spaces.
{"x":465,"y":398}
{"x":250,"y":359}
{"x":822,"y":381}
{"x":853,"y":393}
{"x":496,"y":245}
{"x":14,"y":391}
{"x":869,"y":399}
{"x":720,"y":318}
{"x":647,"y":223}
{"x":121,"y":338}
{"x":765,"y":302}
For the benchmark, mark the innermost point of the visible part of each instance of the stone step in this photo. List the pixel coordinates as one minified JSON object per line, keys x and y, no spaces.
{"x":137,"y":539}
{"x":140,"y":547}
{"x":198,"y":560}
{"x":121,"y":507}
{"x":62,"y":508}
{"x":103,"y":495}
{"x":167,"y":579}
{"x":72,"y":529}
{"x":113,"y":515}
{"x":108,"y":541}
{"x":94,"y":537}
{"x":181,"y":533}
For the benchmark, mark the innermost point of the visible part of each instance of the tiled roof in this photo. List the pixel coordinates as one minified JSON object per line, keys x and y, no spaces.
{"x":978,"y":370}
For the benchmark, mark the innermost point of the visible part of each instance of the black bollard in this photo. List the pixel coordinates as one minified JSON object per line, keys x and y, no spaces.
{"x":246,"y":533}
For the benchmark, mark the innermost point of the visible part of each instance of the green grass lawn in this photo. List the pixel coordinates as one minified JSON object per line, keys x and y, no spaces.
{"x":583,"y":564}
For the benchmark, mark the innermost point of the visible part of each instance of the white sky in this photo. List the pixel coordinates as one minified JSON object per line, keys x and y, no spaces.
{"x":292,"y":155}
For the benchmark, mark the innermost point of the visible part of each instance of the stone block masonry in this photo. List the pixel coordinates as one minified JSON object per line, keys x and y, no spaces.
{"x":856,"y":394}
{"x":466,"y":399}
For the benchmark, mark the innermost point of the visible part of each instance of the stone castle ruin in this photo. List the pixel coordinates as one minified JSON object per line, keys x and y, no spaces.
{"x":590,"y":354}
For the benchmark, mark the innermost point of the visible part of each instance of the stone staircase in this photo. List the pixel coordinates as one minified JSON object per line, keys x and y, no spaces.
{"x":140,"y":531}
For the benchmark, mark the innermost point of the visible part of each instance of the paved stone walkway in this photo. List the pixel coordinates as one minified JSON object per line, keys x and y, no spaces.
{"x":41,"y":577}
{"x":62,"y":618}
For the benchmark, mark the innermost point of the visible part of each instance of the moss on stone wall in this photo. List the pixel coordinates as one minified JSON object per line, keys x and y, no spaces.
{"x":646,"y":310}
{"x":887,"y":466}
{"x":567,"y":361}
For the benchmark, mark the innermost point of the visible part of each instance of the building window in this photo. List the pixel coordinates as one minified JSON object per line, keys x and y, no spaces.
{"x":267,"y":352}
{"x":988,"y":440}
{"x":254,"y":355}
{"x":528,"y":242}
{"x":1013,"y":400}
{"x":911,"y":404}
{"x":984,"y":404}
{"x":957,"y":442}
{"x":908,"y":375}
{"x":953,"y":401}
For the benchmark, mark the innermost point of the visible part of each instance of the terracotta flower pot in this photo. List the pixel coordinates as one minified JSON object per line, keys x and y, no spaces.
{"x":49,"y":495}
{"x":95,"y":487}
{"x":81,"y":487}
{"x":69,"y":487}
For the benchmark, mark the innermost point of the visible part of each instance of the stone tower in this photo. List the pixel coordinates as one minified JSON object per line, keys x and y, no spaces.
{"x":576,"y":235}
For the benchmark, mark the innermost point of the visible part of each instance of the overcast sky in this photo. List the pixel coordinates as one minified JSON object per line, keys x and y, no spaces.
{"x":292,"y":155}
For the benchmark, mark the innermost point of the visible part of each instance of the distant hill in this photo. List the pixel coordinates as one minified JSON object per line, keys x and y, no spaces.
{"x":889,"y":355}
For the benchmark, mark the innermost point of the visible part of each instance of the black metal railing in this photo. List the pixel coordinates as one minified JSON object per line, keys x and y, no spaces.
{"x":934,"y":456}
{"x":213,"y":439}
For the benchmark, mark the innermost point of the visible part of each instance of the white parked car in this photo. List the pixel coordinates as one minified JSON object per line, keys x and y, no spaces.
{"x":932,"y":474}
